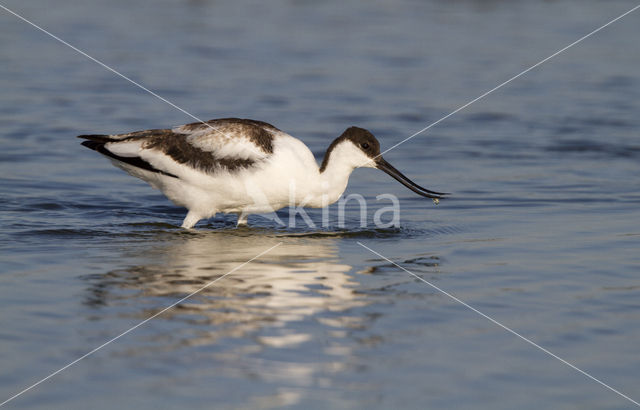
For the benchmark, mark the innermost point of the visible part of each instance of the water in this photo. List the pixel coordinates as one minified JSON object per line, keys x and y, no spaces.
{"x":542,"y":231}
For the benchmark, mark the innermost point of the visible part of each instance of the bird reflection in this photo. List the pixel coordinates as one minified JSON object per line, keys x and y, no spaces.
{"x":300,"y":280}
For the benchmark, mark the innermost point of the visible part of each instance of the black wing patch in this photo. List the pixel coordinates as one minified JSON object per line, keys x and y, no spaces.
{"x":180,"y":150}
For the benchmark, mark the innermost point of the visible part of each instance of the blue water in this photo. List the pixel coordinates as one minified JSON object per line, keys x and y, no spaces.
{"x":542,"y":232}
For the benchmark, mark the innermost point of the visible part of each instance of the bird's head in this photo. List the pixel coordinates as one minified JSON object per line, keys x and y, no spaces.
{"x":360,"y":148}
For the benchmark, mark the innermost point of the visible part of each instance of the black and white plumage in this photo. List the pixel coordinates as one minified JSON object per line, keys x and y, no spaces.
{"x":242,"y":166}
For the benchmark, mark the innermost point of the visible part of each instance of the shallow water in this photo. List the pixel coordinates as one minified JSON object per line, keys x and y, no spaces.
{"x":541,"y":233}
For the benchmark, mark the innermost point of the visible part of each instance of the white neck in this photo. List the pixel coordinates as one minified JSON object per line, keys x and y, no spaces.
{"x":333,"y":179}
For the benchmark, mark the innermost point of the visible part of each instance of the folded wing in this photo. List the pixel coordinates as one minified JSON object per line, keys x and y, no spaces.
{"x":222,"y":145}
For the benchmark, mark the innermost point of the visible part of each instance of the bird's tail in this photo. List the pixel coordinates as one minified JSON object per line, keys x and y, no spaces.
{"x":98,"y":138}
{"x":96,"y":141}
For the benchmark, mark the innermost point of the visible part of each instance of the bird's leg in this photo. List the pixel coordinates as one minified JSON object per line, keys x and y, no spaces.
{"x":242,"y":219}
{"x":190,"y":220}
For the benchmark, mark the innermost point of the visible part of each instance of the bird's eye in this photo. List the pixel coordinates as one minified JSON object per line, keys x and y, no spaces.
{"x":364,"y":145}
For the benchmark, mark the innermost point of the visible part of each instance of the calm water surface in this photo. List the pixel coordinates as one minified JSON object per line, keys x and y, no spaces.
{"x":542,"y":232}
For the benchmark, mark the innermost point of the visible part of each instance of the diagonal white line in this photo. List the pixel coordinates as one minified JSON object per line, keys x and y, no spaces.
{"x":563,"y":49}
{"x":113,"y":70}
{"x":137,"y":326}
{"x":501,"y":325}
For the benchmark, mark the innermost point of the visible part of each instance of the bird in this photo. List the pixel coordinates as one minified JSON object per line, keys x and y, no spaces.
{"x":242,"y":166}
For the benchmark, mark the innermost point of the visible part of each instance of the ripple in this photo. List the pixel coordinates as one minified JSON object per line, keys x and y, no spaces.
{"x":63,"y":233}
{"x":490,"y":117}
{"x":346,"y":233}
{"x":595,"y":147}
